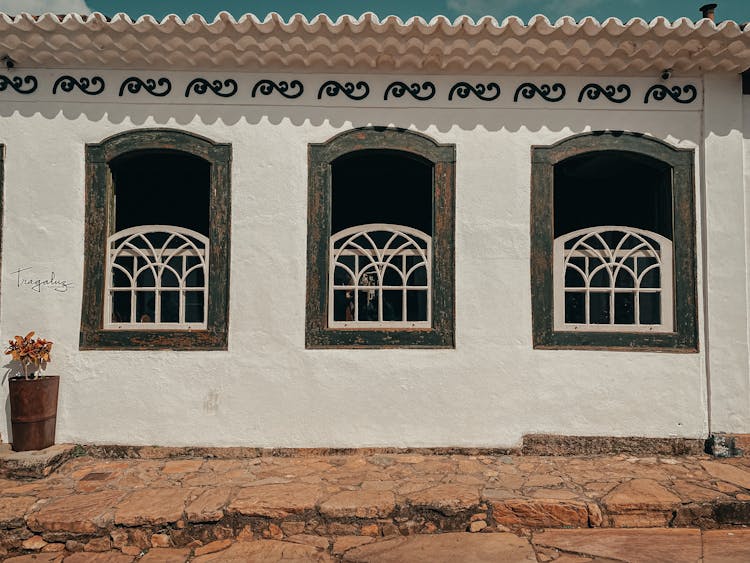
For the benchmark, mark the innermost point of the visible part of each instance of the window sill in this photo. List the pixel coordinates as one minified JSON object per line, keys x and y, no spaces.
{"x":153,"y":340}
{"x":378,"y":338}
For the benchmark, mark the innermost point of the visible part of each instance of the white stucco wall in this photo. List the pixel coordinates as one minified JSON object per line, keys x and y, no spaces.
{"x":267,"y":389}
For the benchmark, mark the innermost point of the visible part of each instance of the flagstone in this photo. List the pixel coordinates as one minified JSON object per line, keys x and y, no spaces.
{"x":208,"y":504}
{"x":359,"y":504}
{"x":542,"y":513}
{"x":82,"y":513}
{"x":444,"y":548}
{"x":166,"y":556}
{"x":266,"y":551}
{"x":640,"y":494}
{"x":36,"y":558}
{"x":109,"y":557}
{"x":448,"y":499}
{"x":182,"y":466}
{"x":13,"y":510}
{"x":276,"y":501}
{"x":691,"y":492}
{"x":726,"y":546}
{"x":728,"y":473}
{"x":152,"y":506}
{"x":632,"y":545}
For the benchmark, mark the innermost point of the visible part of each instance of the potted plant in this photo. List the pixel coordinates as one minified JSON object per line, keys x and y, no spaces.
{"x":33,"y":396}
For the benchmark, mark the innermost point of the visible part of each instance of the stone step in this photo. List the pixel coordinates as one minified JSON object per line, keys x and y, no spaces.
{"x":564,"y":546}
{"x":99,"y":504}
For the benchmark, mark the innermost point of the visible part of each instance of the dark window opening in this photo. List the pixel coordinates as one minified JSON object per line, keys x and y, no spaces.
{"x":381,"y":186}
{"x":161,"y":188}
{"x":613,"y":188}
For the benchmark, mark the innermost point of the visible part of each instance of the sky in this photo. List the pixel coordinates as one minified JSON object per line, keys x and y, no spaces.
{"x":738,"y":10}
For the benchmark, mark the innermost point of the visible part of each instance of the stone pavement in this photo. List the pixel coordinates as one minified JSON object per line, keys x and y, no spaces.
{"x":382,"y":507}
{"x":604,"y":545}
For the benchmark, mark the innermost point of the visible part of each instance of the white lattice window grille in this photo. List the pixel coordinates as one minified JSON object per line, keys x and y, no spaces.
{"x":614,"y":279}
{"x":380,"y":276}
{"x":156,"y":278}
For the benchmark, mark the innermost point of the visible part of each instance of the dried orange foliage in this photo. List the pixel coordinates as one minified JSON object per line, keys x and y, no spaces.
{"x":30,"y":351}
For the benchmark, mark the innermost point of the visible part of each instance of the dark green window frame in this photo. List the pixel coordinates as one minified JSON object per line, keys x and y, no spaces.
{"x":99,"y":224}
{"x":684,"y":338}
{"x":443,"y":160}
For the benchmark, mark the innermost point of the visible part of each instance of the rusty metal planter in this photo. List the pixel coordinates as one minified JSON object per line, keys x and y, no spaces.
{"x":33,"y":412}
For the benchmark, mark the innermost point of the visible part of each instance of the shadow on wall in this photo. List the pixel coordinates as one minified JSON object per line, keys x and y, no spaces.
{"x":531,"y":119}
{"x":7,"y":433}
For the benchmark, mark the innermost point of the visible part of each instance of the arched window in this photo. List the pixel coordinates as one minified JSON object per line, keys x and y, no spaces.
{"x":157,"y":242}
{"x":380,"y":241}
{"x":613,"y":244}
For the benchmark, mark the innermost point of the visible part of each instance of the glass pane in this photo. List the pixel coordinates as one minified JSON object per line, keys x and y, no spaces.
{"x":573,"y":278}
{"x":393,"y":301}
{"x":170,"y":306}
{"x":145,"y":301}
{"x":145,"y":278}
{"x":419,"y":276}
{"x":416,"y":305}
{"x":599,"y":308}
{"x":342,"y":277}
{"x":343,"y":305}
{"x":368,"y":305}
{"x":651,"y":278}
{"x":195,"y":278}
{"x":650,"y":307}
{"x":624,"y":308}
{"x":601,"y":278}
{"x":121,"y":307}
{"x":120,"y":278}
{"x":194,"y":307}
{"x":392,"y":276}
{"x":624,"y":278}
{"x":169,"y":279}
{"x":575,"y":307}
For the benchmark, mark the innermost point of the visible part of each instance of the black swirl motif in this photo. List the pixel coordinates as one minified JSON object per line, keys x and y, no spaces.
{"x":659,"y":92}
{"x":201,"y":86}
{"x":529,"y":90}
{"x":332,"y":88}
{"x":463,"y":89}
{"x":593,"y":91}
{"x":17,"y":83}
{"x":88,"y":86}
{"x":398,"y":89}
{"x":267,"y":87}
{"x":135,"y":84}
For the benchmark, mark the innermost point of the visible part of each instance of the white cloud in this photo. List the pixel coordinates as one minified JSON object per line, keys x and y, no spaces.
{"x":37,"y":7}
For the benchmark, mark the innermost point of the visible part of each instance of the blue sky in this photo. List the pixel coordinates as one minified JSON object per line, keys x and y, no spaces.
{"x":738,"y":10}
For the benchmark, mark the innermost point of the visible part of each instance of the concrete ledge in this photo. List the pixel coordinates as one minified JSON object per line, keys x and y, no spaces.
{"x":552,"y":444}
{"x":33,"y":464}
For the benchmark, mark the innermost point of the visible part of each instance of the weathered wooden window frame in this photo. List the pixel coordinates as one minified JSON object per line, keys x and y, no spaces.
{"x":100,"y":224}
{"x":318,"y":333}
{"x":684,"y":337}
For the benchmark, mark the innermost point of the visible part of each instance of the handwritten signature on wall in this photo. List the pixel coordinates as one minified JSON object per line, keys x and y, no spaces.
{"x":28,"y":281}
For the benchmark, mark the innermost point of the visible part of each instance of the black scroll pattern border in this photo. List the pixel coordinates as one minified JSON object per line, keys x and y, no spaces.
{"x":68,"y":83}
{"x":17,"y":82}
{"x":202,"y":85}
{"x":528,"y":90}
{"x":398,"y":89}
{"x":333,"y":87}
{"x":135,"y":85}
{"x":464,"y":89}
{"x":593,"y":91}
{"x":659,"y":92}
{"x":267,"y":88}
